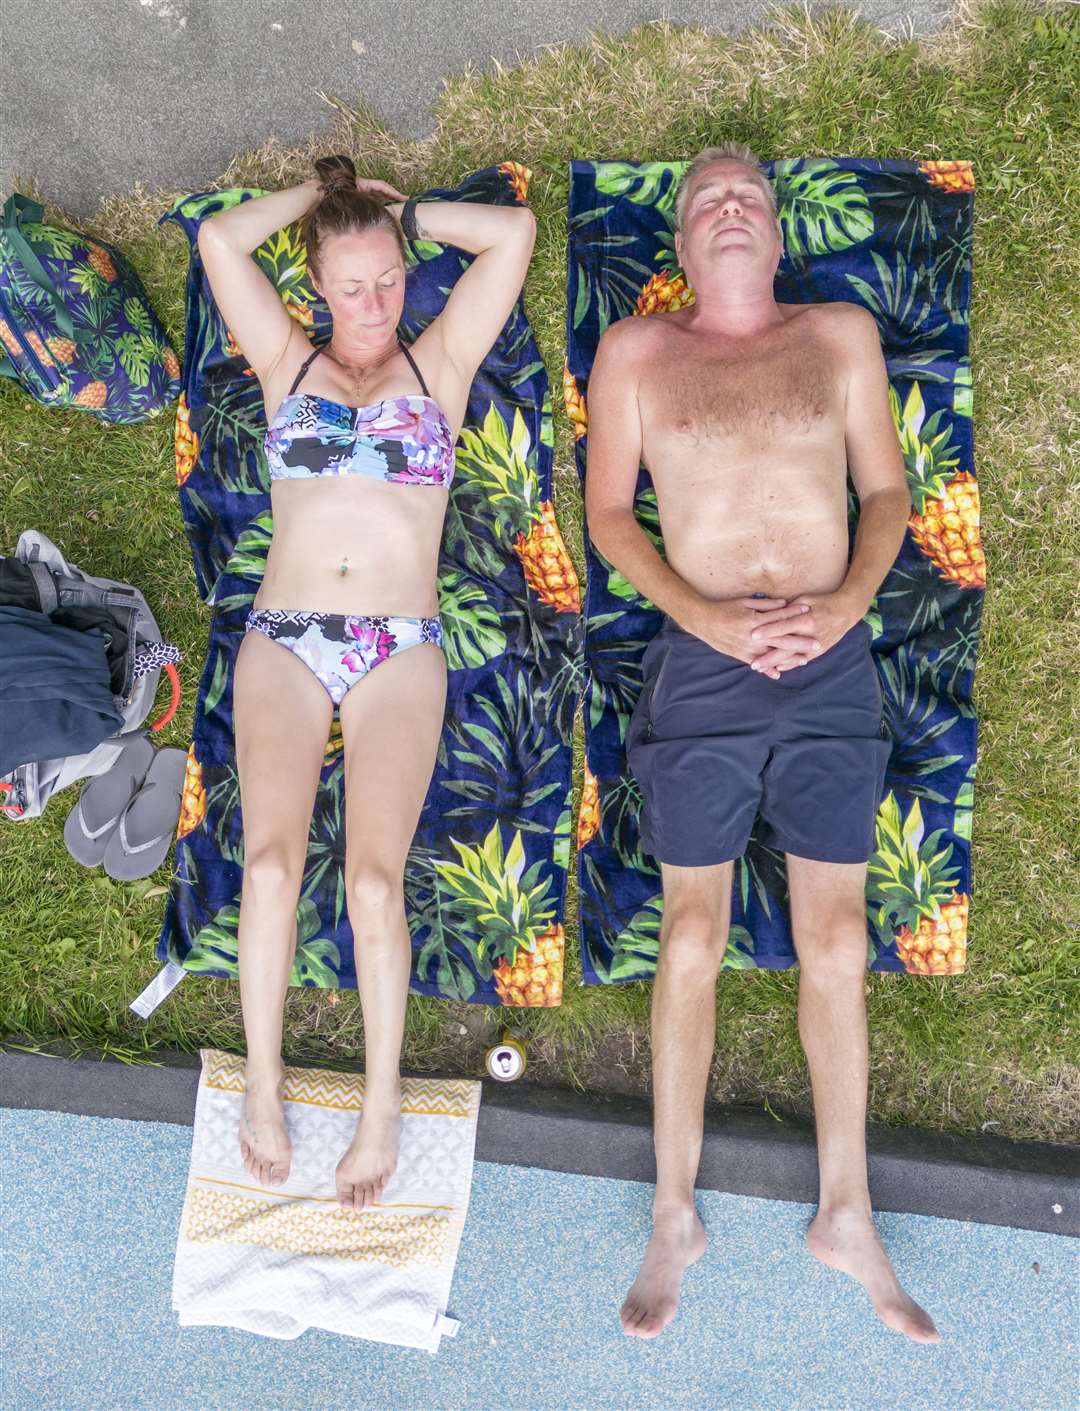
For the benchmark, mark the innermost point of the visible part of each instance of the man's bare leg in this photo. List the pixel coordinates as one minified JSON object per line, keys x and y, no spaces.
{"x":828,"y":910}
{"x":693,"y":936}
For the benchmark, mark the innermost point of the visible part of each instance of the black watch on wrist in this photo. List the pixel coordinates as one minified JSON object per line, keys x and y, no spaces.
{"x":408,"y":220}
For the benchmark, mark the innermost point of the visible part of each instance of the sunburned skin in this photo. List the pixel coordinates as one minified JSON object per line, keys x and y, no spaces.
{"x":746,"y":451}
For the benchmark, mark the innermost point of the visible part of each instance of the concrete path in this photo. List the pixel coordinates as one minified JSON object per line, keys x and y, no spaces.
{"x":107,"y":93}
{"x":91,"y":1211}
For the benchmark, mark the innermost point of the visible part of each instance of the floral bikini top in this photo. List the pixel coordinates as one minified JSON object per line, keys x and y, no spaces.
{"x":403,"y":440}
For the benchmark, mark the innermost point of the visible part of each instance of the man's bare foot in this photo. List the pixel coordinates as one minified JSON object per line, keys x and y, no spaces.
{"x":264,"y":1138}
{"x":678,"y":1240}
{"x":365,"y":1170}
{"x":847,"y":1240}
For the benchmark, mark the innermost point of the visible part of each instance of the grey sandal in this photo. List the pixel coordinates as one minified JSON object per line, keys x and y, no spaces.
{"x":92,"y":821}
{"x":147,"y":826}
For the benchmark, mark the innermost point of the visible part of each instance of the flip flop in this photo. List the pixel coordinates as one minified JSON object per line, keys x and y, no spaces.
{"x":92,"y":821}
{"x":147,"y":827}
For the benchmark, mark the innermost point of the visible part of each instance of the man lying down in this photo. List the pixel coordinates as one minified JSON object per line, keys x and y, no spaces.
{"x":760,"y":693}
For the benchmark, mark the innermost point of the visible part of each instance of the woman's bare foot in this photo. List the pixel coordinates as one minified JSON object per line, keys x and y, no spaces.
{"x":678,"y":1240}
{"x":365,"y":1170}
{"x":847,"y":1240}
{"x":264,"y":1138}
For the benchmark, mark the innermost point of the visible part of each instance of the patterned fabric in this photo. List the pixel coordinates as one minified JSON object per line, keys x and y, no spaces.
{"x":896,"y":237}
{"x":279,"y":1260}
{"x":342,"y":650}
{"x":154,"y":656}
{"x":76,"y":324}
{"x":494,"y":833}
{"x":406,"y":442}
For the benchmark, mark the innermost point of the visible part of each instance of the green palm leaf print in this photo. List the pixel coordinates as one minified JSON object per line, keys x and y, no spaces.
{"x":822,"y":209}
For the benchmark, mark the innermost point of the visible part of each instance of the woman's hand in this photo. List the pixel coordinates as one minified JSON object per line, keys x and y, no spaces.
{"x":371,"y":187}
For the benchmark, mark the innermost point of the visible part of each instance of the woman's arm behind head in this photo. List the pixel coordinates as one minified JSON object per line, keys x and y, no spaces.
{"x":246,"y":298}
{"x":502,"y":239}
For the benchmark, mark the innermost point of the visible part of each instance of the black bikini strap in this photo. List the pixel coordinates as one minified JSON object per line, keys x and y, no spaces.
{"x":419,"y":374}
{"x":307,"y":363}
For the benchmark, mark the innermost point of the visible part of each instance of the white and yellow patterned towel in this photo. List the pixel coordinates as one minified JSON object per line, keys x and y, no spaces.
{"x":278,"y":1260}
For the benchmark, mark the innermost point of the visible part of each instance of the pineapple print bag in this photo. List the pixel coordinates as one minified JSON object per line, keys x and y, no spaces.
{"x":76,"y":325}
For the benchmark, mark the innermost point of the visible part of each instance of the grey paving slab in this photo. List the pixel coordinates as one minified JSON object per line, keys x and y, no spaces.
{"x":91,"y":1214}
{"x":100,"y":95}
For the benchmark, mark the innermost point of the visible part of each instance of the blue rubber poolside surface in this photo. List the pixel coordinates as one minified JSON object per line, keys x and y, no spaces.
{"x":92,"y":1205}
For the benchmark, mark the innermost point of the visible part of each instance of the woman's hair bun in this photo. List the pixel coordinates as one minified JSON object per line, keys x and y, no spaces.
{"x":343,"y":209}
{"x":336,"y":172}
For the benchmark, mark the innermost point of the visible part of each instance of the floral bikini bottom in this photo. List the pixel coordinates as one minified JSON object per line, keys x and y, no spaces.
{"x":342,"y":650}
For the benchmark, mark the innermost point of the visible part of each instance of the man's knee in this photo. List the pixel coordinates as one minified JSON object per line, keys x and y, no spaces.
{"x":694,"y":936}
{"x":834,"y":945}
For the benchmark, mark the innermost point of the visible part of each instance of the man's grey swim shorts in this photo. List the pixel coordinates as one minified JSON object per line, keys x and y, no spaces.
{"x":712,"y":743}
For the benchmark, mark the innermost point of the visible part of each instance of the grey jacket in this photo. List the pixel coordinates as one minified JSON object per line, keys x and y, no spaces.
{"x":60,"y":583}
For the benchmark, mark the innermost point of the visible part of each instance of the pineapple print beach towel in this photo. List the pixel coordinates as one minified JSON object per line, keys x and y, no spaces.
{"x":494,"y":834}
{"x":895,"y":236}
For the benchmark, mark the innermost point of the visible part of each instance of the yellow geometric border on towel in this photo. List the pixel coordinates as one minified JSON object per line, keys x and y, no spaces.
{"x":216,"y":1217}
{"x":322,"y":1087}
{"x":317,"y":1199}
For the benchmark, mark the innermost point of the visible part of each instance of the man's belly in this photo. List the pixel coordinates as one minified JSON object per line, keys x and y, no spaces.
{"x":386,"y":540}
{"x":761,"y":512}
{"x":735,"y":565}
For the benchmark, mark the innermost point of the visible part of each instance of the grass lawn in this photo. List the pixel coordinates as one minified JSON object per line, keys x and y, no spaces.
{"x":994,"y":1048}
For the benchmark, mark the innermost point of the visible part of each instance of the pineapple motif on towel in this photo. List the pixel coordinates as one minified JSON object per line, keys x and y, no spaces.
{"x":894,"y":236}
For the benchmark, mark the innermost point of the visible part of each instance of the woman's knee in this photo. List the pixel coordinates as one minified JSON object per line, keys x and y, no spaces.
{"x":273,"y":869}
{"x":374,"y":889}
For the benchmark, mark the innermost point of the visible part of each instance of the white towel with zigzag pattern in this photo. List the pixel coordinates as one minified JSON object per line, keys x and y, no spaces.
{"x":279,"y":1260}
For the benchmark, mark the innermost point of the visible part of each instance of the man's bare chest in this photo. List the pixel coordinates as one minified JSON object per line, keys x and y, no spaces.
{"x":782,"y":390}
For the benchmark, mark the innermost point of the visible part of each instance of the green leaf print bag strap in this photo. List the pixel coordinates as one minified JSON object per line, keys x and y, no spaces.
{"x":17,"y":249}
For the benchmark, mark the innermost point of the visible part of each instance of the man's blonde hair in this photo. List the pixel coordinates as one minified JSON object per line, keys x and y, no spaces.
{"x":729,"y":152}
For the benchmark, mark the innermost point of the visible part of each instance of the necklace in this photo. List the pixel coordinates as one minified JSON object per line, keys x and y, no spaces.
{"x":360,"y":376}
